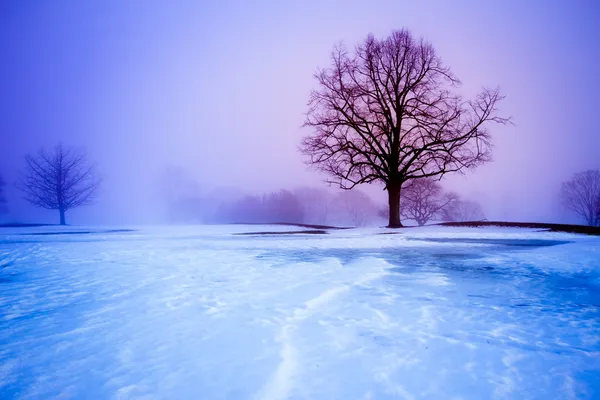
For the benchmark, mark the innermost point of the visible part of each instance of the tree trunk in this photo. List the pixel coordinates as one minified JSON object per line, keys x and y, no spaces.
{"x":394,"y":205}
{"x":62,"y":216}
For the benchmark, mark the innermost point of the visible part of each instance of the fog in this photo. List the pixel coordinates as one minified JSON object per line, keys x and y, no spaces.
{"x":218,"y":89}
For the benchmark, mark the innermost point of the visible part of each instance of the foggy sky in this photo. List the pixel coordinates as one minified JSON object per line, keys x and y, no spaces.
{"x":219,"y":89}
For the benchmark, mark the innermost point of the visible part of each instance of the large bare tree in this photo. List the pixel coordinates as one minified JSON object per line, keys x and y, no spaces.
{"x":581,"y":194}
{"x":61,"y":180}
{"x":388,"y":112}
{"x":424,"y":200}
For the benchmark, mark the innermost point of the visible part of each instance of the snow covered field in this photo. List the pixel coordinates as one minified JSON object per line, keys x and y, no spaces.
{"x":201,"y":313}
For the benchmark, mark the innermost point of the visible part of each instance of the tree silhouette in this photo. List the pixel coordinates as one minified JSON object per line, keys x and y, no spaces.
{"x":424,"y":200}
{"x":3,"y":208}
{"x":59,"y":180}
{"x":387,"y":113}
{"x":581,"y":194}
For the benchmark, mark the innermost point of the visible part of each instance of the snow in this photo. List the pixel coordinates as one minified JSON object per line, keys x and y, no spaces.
{"x":202,"y":313}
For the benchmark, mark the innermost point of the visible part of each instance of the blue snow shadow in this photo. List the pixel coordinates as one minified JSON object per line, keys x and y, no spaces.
{"x":465,"y":263}
{"x":452,"y":257}
{"x":56,"y":233}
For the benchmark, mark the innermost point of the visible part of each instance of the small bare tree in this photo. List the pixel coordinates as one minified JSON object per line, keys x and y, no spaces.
{"x":424,"y":200}
{"x":60,"y":180}
{"x":388,"y":113}
{"x":581,"y":194}
{"x":3,"y":209}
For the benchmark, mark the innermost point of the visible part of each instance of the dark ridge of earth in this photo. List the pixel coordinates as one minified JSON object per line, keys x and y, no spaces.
{"x":501,"y":242}
{"x":586,"y":230}
{"x":308,"y":232}
{"x":311,"y":226}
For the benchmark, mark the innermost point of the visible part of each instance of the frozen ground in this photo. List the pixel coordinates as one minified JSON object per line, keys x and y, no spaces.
{"x":199,"y":313}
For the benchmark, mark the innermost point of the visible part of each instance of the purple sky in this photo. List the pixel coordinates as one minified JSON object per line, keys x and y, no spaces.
{"x":219,"y":88}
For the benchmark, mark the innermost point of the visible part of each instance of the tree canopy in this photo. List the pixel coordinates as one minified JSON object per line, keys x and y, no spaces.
{"x":389,"y":112}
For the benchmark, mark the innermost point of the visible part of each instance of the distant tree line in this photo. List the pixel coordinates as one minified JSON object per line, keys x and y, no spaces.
{"x":281,"y":206}
{"x":424,"y":201}
{"x":303,"y":205}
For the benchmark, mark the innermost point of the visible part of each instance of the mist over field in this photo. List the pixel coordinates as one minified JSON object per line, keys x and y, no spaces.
{"x":210,"y":96}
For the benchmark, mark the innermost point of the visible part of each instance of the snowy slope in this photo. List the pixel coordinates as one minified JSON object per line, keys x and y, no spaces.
{"x":202,"y":313}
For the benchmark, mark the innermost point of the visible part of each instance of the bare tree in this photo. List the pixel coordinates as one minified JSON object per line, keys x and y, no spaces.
{"x":424,"y":200}
{"x":3,"y":209}
{"x":59,"y":180}
{"x":581,"y":194}
{"x":387,"y":113}
{"x":463,"y":210}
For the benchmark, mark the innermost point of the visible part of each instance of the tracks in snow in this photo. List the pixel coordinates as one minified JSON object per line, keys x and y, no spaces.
{"x":281,"y":383}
